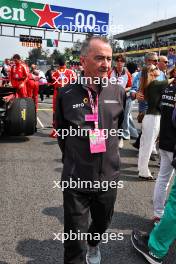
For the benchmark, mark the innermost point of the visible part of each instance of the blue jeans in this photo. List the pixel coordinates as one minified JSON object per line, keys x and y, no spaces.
{"x":128,"y":125}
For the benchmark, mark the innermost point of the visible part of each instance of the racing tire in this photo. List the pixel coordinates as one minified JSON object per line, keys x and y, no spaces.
{"x":21,"y":117}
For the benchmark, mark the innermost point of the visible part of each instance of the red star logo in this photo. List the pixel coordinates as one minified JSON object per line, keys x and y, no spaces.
{"x":46,"y":16}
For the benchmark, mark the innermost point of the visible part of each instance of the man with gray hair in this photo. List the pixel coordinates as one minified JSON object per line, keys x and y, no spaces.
{"x":89,"y":158}
{"x":150,"y":58}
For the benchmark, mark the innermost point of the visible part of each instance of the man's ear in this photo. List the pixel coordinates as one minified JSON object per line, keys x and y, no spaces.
{"x":82,"y":60}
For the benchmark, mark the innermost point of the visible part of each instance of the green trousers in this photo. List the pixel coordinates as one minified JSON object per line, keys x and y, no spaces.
{"x":164,"y":233}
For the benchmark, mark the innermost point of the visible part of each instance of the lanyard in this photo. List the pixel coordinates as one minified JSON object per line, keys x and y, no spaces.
{"x":94,"y":107}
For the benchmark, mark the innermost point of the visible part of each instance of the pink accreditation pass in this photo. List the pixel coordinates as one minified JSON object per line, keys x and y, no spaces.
{"x":92,"y":117}
{"x":97,"y":141}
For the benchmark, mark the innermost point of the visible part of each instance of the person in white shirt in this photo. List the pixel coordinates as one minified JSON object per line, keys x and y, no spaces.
{"x":42,"y":84}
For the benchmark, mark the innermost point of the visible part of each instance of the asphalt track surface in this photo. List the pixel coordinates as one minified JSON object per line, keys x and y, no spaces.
{"x":31,"y":209}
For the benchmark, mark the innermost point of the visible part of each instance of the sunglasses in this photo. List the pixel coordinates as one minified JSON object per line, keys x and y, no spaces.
{"x":155,"y":60}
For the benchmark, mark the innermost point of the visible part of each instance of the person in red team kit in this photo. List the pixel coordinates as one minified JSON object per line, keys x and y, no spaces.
{"x":19,"y":76}
{"x":61,"y":77}
{"x":33,"y":85}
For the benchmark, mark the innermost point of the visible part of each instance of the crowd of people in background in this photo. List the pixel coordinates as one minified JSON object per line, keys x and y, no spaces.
{"x":153,"y":44}
{"x":17,"y":73}
{"x":154,"y":87}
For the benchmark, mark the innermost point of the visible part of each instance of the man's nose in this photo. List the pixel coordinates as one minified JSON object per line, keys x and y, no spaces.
{"x":106,"y":63}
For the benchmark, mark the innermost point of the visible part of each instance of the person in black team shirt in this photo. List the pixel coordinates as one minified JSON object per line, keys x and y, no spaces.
{"x":89,"y":106}
{"x":167,"y":141}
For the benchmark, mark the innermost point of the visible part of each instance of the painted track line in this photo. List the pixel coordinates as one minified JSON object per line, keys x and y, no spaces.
{"x":45,"y":109}
{"x":40,"y":122}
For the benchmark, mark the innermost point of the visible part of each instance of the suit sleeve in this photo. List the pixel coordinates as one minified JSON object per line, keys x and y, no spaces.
{"x":121,"y":117}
